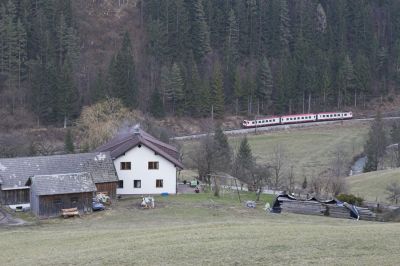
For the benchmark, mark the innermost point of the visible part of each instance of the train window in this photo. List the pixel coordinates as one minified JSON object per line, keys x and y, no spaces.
{"x":345,"y":114}
{"x":252,"y":122}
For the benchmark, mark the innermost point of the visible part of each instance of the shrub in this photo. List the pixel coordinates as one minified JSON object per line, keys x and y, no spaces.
{"x":350,"y":198}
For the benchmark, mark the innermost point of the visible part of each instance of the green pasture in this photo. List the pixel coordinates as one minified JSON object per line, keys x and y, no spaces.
{"x":199,"y":229}
{"x":309,"y":150}
{"x":372,"y":186}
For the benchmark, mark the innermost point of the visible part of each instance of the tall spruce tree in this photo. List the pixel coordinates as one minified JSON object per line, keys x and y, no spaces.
{"x":238,"y":92}
{"x":244,"y":162}
{"x":232,"y":41}
{"x":122,"y":75}
{"x":199,"y":33}
{"x":67,"y":94}
{"x":222,"y":151}
{"x":176,"y":89}
{"x":375,"y":147}
{"x":156,"y":105}
{"x":69,"y":142}
{"x":284,"y":27}
{"x":217,"y":91}
{"x":264,"y":85}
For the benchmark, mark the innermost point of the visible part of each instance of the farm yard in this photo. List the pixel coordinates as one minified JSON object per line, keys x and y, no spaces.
{"x":310,"y":150}
{"x":199,"y":229}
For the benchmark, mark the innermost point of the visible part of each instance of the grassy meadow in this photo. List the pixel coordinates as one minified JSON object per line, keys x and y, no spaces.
{"x":199,"y":229}
{"x":310,"y":150}
{"x":372,"y":186}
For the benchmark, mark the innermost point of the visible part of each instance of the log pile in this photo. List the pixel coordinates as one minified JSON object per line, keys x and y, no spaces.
{"x":71,"y":212}
{"x":302,"y":207}
{"x":329,"y":208}
{"x":366,"y":214}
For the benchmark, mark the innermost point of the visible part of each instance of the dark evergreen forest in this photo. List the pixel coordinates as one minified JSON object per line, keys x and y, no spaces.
{"x":244,"y":57}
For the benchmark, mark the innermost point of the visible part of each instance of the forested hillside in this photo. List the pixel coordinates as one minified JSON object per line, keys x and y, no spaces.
{"x":188,"y":57}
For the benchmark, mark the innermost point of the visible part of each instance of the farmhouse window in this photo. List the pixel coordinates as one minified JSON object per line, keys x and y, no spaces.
{"x":137,"y":183}
{"x":125,"y":165}
{"x":153,"y":165}
{"x":159,"y":183}
{"x":121,"y":184}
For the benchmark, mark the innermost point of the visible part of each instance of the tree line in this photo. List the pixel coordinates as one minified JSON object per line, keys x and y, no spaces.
{"x":205,"y":57}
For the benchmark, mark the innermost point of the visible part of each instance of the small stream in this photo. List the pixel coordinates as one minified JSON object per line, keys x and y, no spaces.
{"x":358,"y":166}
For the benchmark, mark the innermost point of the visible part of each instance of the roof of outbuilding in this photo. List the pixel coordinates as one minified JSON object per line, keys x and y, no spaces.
{"x":61,"y":184}
{"x":16,"y":171}
{"x":126,"y":141}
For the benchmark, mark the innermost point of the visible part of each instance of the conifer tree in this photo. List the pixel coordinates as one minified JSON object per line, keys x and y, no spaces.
{"x":176,"y":86}
{"x":244,"y":162}
{"x":156,"y":105}
{"x":199,"y":30}
{"x":205,"y":100}
{"x":238,"y":91}
{"x":165,"y":90}
{"x":98,"y":90}
{"x":232,"y":40}
{"x":69,"y":142}
{"x":348,"y":81}
{"x":67,"y":93}
{"x":222,"y":151}
{"x":284,"y":27}
{"x":264,"y":84}
{"x":217,"y":92}
{"x":375,"y":147}
{"x":193,"y":89}
{"x":122,"y":74}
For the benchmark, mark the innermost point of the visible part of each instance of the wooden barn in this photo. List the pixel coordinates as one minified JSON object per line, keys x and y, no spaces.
{"x":14,"y":173}
{"x":51,"y":193}
{"x":313,"y":206}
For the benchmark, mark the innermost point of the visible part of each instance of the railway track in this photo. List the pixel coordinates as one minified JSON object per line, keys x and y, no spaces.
{"x":279,"y":127}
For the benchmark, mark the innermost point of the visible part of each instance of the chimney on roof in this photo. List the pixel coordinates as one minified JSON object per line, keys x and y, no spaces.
{"x":136,"y":129}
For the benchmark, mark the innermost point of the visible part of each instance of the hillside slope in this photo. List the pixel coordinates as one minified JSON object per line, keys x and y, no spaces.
{"x":372,"y":186}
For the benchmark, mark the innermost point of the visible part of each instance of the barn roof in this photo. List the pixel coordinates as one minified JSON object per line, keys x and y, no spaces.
{"x":16,"y":171}
{"x":61,"y":184}
{"x":124,"y":142}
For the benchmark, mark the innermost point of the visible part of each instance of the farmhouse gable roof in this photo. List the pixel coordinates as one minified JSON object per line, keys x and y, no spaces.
{"x":16,"y":171}
{"x":61,"y":184}
{"x":122,"y":143}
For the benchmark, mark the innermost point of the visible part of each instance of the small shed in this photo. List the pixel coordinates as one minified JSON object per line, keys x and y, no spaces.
{"x":51,"y":193}
{"x":14,"y":173}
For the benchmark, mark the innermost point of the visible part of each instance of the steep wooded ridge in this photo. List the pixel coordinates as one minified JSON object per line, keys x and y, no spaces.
{"x":188,"y":57}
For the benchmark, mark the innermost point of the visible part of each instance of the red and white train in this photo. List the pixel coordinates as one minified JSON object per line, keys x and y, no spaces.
{"x":295,"y":119}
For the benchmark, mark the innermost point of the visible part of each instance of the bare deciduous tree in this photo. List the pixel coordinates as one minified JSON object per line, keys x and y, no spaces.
{"x":291,"y":183}
{"x":277,"y":162}
{"x":261,"y":176}
{"x":336,"y":176}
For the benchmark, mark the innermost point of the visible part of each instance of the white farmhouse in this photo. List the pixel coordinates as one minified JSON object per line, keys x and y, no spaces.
{"x":144,"y":164}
